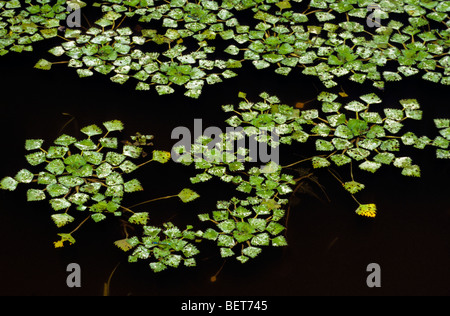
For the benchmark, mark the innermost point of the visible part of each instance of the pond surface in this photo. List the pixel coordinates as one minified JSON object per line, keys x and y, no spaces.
{"x":329,"y":248}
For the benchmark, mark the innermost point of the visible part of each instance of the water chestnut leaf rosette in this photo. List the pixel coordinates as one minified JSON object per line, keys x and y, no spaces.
{"x":90,"y":176}
{"x":165,"y":46}
{"x":87,"y":176}
{"x":346,"y":132}
{"x":169,"y":44}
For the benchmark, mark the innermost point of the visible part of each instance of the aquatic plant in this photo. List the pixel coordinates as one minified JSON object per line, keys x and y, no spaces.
{"x":174,"y":42}
{"x":163,"y":45}
{"x":87,"y":177}
{"x":343,"y":133}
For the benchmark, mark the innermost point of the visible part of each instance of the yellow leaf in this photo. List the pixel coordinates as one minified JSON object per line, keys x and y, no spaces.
{"x":368,"y":210}
{"x":59,"y":244}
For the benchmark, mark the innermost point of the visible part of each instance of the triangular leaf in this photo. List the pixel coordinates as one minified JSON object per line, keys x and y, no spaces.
{"x":187,"y":195}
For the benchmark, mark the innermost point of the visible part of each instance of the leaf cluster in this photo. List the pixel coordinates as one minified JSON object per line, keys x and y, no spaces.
{"x":177,"y":45}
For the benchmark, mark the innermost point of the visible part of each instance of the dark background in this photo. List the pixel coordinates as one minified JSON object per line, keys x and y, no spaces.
{"x":329,"y":245}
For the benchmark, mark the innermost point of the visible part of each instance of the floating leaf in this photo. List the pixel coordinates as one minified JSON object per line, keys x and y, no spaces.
{"x":187,"y":195}
{"x":132,"y":186}
{"x":32,"y":144}
{"x":319,"y":162}
{"x":279,"y":241}
{"x":354,"y":187}
{"x":368,"y":210}
{"x":35,"y":195}
{"x":43,"y":65}
{"x":23,"y":176}
{"x":8,"y":183}
{"x":92,"y":130}
{"x":370,"y":166}
{"x":123,"y":244}
{"x":411,"y":171}
{"x":161,"y":156}
{"x":139,"y":218}
{"x":62,"y":219}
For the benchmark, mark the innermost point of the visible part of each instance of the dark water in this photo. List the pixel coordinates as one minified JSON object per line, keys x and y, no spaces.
{"x":329,"y":246}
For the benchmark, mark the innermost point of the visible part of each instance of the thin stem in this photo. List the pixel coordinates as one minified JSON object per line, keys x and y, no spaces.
{"x":126,"y":209}
{"x":121,"y":22}
{"x":106,"y":287}
{"x":143,"y":164}
{"x":303,"y":177}
{"x":60,"y":62}
{"x":355,"y":199}
{"x":214,"y":277}
{"x":157,"y":199}
{"x":351,"y":171}
{"x":79,"y":225}
{"x":295,"y":163}
{"x":87,"y":20}
{"x":340,"y":181}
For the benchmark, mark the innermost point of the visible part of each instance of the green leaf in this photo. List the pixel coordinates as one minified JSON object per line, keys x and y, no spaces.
{"x":252,"y":252}
{"x":442,"y":123}
{"x":319,"y":162}
{"x":98,"y":217}
{"x":370,"y":98}
{"x":32,"y":144}
{"x":190,"y":250}
{"x":35,"y":195}
{"x":8,"y":183}
{"x":60,"y":204}
{"x":411,"y":171}
{"x":70,"y":181}
{"x":275,"y":228}
{"x":227,"y":226}
{"x":158,"y":266}
{"x":114,"y":125}
{"x":86,"y":144}
{"x":57,"y":190}
{"x":36,"y":158}
{"x":43,"y":65}
{"x":62,"y":219}
{"x":128,"y":166}
{"x":210,"y":234}
{"x":445,"y":133}
{"x":442,"y":154}
{"x":65,"y":140}
{"x":92,"y":130}
{"x":323,"y":145}
{"x":261,"y":240}
{"x":370,"y":166}
{"x":24,"y":176}
{"x":114,"y":158}
{"x":57,"y":152}
{"x":187,"y":195}
{"x":79,"y":198}
{"x":355,"y":106}
{"x":358,"y":153}
{"x":139,"y":218}
{"x":132,"y":186}
{"x":358,"y":127}
{"x":226,"y":252}
{"x":242,"y":259}
{"x":132,"y":151}
{"x":279,"y":241}
{"x":384,"y":158}
{"x":340,"y":160}
{"x":354,"y":187}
